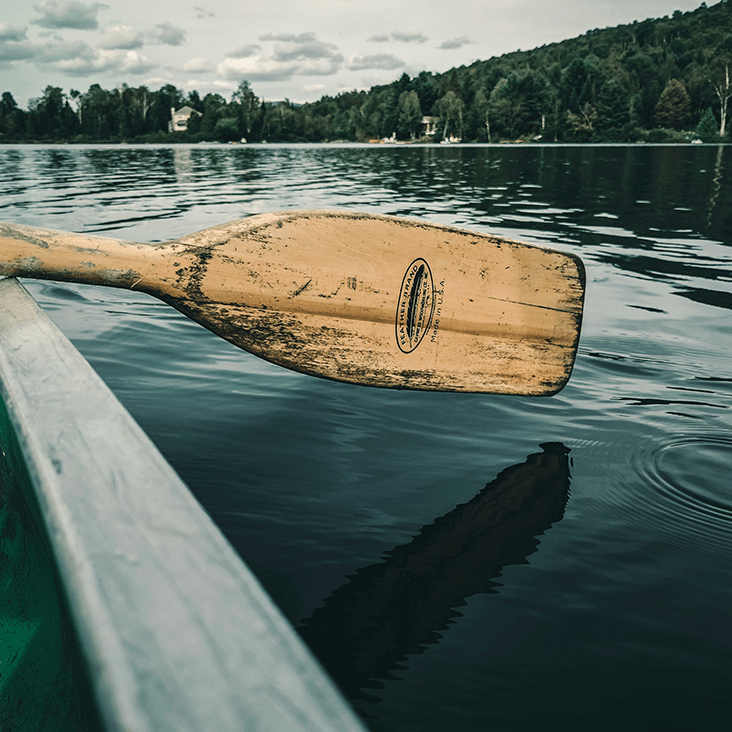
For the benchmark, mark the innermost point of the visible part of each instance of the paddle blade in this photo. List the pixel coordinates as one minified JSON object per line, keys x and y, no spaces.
{"x":389,"y":302}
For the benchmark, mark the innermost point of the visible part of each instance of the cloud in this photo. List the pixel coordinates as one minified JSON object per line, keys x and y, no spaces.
{"x":105,"y":61}
{"x":202,"y":13}
{"x":408,"y":37}
{"x":122,"y":37}
{"x":11,"y":32}
{"x":288,"y":37}
{"x":454,"y":44}
{"x":256,"y":68}
{"x":53,"y":50}
{"x":290,"y":47}
{"x":399,"y":36}
{"x":291,"y":55}
{"x":321,"y":67}
{"x":68,"y":14}
{"x":15,"y":51}
{"x":376,"y":80}
{"x":245,"y":51}
{"x":196,"y":66}
{"x":153,"y":81}
{"x":204,"y":87}
{"x":167,"y":34}
{"x":310,"y":88}
{"x":383,"y":61}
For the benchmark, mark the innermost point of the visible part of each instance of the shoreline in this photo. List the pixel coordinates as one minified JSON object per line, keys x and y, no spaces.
{"x":342,"y":143}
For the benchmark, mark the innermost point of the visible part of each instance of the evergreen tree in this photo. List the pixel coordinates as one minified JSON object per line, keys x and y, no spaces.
{"x":613,"y":110}
{"x":707,"y":128}
{"x":424,"y":85}
{"x":12,"y":118}
{"x":673,"y":108}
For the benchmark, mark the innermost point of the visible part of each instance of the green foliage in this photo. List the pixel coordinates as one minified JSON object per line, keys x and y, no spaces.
{"x":410,"y":115}
{"x":450,"y":112}
{"x":707,"y":130}
{"x":649,"y":80}
{"x":673,"y":108}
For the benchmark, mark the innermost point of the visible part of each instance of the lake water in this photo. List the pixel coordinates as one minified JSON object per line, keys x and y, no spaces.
{"x":462,"y":562}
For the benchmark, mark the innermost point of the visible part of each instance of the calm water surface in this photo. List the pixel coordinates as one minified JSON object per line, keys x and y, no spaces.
{"x":457,"y":561}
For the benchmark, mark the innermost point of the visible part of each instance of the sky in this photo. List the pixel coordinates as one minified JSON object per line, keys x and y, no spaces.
{"x":286,"y":49}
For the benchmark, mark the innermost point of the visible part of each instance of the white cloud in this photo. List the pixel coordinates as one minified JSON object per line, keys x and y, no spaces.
{"x":167,"y":34}
{"x":303,"y":47}
{"x":291,"y":55}
{"x":52,"y":50}
{"x":225,"y":88}
{"x":314,"y":88}
{"x":384,"y":61}
{"x":196,"y":66}
{"x":152,"y":81}
{"x":68,"y":14}
{"x":256,"y":68}
{"x":105,"y":61}
{"x":376,"y":80}
{"x":122,"y":37}
{"x":288,"y":37}
{"x":135,"y":63}
{"x":321,"y":67}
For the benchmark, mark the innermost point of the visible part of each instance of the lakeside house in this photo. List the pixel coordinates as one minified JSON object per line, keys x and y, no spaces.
{"x":428,"y":126}
{"x":179,"y":119}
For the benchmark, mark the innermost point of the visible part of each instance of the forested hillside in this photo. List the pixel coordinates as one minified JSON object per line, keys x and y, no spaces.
{"x":668,"y":79}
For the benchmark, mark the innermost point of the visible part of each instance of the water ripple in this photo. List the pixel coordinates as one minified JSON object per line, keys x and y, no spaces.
{"x":689,"y":481}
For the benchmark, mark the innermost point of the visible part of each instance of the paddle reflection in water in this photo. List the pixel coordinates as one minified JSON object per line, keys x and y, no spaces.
{"x":398,"y":607}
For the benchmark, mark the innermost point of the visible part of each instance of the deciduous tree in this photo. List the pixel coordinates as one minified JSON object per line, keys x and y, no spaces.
{"x":410,"y":114}
{"x":450,"y":110}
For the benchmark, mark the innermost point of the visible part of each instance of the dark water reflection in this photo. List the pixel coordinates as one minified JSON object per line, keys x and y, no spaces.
{"x":396,"y":608}
{"x":621,"y":615}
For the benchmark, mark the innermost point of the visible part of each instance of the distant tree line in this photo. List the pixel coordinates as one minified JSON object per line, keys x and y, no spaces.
{"x":668,"y":79}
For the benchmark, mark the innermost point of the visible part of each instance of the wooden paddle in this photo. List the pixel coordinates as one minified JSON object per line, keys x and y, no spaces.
{"x":367,"y":299}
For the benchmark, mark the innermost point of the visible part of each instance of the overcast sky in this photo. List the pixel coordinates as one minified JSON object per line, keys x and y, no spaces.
{"x":295,"y":49}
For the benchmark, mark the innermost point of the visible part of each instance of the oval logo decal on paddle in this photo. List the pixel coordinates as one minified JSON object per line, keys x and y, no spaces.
{"x":416,"y":306}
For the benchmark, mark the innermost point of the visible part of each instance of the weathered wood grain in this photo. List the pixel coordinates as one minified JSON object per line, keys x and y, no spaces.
{"x":374,"y":300}
{"x":178,"y":634}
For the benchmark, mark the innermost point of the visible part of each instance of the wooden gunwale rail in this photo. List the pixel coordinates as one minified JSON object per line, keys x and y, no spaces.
{"x":176,"y":631}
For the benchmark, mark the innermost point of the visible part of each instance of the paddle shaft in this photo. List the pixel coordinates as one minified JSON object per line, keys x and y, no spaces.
{"x":27,"y":251}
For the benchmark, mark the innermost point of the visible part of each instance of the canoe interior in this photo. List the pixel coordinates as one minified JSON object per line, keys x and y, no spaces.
{"x":44,"y":683}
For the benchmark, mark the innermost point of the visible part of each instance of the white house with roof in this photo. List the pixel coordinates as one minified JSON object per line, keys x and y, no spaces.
{"x":179,"y":119}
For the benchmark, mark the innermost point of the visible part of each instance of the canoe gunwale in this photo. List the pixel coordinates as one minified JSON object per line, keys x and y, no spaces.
{"x":176,"y":631}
